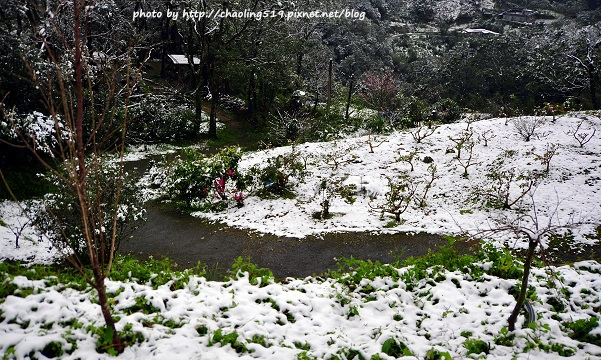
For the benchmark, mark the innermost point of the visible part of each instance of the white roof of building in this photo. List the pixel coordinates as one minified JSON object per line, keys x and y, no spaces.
{"x":182,"y":59}
{"x":480,"y":31}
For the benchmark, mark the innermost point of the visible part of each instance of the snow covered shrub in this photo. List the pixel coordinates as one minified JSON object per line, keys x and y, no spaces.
{"x":422,"y":131}
{"x":59,"y":215}
{"x":374,"y":142}
{"x":526,"y":126}
{"x":275,"y":176}
{"x":286,"y":127}
{"x":400,"y":195}
{"x":160,"y":118}
{"x":506,"y":185}
{"x":545,"y":158}
{"x":446,"y":111}
{"x":408,"y":158}
{"x":582,"y":136}
{"x":463,"y":139}
{"x":36,"y":127}
{"x":325,"y":191}
{"x":207,"y":182}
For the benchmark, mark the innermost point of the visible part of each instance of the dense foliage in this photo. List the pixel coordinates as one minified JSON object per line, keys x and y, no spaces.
{"x":407,"y":60}
{"x":59,"y":217}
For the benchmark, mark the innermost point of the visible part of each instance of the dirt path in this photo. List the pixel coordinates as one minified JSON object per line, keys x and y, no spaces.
{"x":188,"y":240}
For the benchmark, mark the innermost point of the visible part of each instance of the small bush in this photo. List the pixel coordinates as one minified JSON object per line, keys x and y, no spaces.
{"x":581,"y":330}
{"x":395,"y":349}
{"x":256,"y":275}
{"x":446,"y":111}
{"x":207,"y":182}
{"x":476,"y":346}
{"x":276,"y":175}
{"x":527,"y":127}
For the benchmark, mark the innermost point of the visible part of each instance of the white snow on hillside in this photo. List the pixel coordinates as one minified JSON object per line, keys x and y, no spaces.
{"x":570,"y":190}
{"x":454,"y":204}
{"x":31,"y":246}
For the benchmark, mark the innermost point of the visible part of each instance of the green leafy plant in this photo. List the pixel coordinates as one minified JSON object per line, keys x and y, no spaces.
{"x":476,"y":346}
{"x":394,"y":348}
{"x":53,"y":349}
{"x":275,"y":176}
{"x":257,"y":275}
{"x":59,"y":214}
{"x":505,"y":338}
{"x":219,"y":337}
{"x":581,"y":330}
{"x":434,"y":354}
{"x":207,"y":182}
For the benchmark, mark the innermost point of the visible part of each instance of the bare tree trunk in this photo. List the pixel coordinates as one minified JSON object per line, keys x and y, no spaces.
{"x":106,"y":312}
{"x":592,"y":76}
{"x":348,"y":99}
{"x":213,"y":115}
{"x":522,"y":296}
{"x":329,"y":101}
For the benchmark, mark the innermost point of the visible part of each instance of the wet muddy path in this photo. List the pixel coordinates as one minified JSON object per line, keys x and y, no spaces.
{"x":187,"y":240}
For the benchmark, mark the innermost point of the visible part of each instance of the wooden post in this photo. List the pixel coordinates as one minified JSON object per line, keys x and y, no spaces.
{"x":329,"y":85}
{"x":348,"y":99}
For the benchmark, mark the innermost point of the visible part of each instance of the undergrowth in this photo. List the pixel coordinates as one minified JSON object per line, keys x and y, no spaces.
{"x":487,"y":259}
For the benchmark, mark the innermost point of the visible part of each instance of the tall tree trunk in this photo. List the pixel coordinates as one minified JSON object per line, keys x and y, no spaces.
{"x":522,"y":297}
{"x":329,"y":101}
{"x":106,"y":311}
{"x":592,"y":78}
{"x":348,"y":99}
{"x":213,"y":116}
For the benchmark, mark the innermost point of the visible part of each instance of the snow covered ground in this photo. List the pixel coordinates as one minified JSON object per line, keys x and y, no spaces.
{"x":356,"y":182}
{"x":450,"y":313}
{"x":31,"y":247}
{"x":454,"y":204}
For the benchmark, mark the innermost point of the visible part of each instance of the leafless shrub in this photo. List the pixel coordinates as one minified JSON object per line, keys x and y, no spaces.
{"x":408,"y":158}
{"x":529,"y":225}
{"x":464,"y":138}
{"x":526,"y":126}
{"x":486,"y":136}
{"x":422,"y":131}
{"x":581,"y":135}
{"x":506,"y":186}
{"x":467,"y":161}
{"x":18,"y":225}
{"x":371,"y":142}
{"x":428,"y":185}
{"x":398,"y":198}
{"x":340,"y":156}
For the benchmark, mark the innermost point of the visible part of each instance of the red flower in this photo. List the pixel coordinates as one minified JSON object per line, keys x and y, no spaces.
{"x":220,"y":185}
